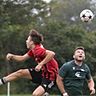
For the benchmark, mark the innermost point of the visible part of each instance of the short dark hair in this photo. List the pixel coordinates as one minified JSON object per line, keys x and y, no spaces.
{"x":80,"y":47}
{"x":37,"y":38}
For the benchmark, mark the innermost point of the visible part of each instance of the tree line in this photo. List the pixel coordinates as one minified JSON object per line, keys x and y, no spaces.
{"x":61,"y":34}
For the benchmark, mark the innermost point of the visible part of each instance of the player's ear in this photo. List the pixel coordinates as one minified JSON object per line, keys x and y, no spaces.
{"x":73,"y":56}
{"x":84,"y":57}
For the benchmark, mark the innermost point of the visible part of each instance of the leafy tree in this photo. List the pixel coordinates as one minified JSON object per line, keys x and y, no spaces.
{"x":60,"y":24}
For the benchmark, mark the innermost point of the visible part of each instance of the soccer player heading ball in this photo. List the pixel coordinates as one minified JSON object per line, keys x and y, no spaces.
{"x":46,"y":70}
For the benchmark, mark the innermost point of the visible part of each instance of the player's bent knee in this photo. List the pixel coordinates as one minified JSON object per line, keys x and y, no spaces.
{"x":35,"y":94}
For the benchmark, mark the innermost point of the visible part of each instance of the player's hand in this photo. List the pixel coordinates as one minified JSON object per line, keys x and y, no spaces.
{"x":38,"y":67}
{"x":92,"y":91}
{"x":65,"y":94}
{"x":9,"y":56}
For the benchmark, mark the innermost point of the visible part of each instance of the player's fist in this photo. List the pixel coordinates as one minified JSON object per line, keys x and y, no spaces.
{"x":92,"y":92}
{"x":38,"y":67}
{"x":9,"y":56}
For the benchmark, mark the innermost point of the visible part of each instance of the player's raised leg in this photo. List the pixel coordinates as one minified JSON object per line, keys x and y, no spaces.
{"x":22,"y":73}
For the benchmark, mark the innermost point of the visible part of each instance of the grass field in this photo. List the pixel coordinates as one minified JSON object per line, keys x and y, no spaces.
{"x":25,"y":95}
{"x":16,"y":95}
{"x":31,"y":95}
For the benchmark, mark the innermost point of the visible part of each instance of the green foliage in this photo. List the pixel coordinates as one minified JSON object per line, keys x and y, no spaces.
{"x":61,"y":34}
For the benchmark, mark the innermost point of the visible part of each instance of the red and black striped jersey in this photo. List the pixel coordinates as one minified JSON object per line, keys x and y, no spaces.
{"x":49,"y":70}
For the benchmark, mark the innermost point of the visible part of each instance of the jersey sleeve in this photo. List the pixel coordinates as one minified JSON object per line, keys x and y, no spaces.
{"x":88,"y":75}
{"x":30,"y":53}
{"x":63,"y":70}
{"x":40,"y":52}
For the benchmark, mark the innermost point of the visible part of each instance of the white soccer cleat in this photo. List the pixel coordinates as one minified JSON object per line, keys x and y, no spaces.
{"x":1,"y":83}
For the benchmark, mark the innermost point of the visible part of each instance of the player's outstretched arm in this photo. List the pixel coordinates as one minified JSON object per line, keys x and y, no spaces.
{"x":10,"y":56}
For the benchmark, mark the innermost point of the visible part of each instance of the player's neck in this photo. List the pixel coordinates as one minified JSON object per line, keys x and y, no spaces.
{"x":32,"y":46}
{"x":79,"y":63}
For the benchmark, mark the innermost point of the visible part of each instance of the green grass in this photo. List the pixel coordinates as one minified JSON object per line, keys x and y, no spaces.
{"x":16,"y":95}
{"x":31,"y":95}
{"x":25,"y":95}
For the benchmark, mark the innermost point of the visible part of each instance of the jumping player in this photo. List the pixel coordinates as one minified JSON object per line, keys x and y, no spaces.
{"x":44,"y":73}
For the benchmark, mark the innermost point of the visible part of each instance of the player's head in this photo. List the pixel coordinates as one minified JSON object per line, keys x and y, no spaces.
{"x":33,"y":38}
{"x":79,"y":54}
{"x":36,"y":37}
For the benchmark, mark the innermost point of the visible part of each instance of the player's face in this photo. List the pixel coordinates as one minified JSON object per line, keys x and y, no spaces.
{"x":29,"y":42}
{"x":79,"y":55}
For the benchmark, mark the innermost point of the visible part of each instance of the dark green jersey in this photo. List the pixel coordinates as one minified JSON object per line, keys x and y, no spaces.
{"x":74,"y":77}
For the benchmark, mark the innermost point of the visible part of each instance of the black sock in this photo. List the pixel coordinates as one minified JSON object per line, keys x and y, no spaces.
{"x":2,"y":81}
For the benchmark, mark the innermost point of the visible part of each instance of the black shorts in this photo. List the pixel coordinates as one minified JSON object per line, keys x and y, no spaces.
{"x":36,"y":76}
{"x":38,"y":79}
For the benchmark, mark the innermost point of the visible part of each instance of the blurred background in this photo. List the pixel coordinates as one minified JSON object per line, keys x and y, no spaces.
{"x":60,"y":24}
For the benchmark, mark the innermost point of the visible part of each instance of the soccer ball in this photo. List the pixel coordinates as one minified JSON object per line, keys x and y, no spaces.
{"x":86,"y":15}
